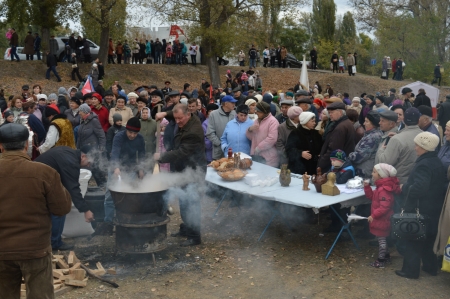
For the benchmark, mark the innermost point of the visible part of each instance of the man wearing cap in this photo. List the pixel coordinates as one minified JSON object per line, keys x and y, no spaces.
{"x":128,"y":150}
{"x":109,"y":101}
{"x":285,"y":105}
{"x":399,"y":152}
{"x":424,"y":189}
{"x":388,"y":100}
{"x":25,"y":89}
{"x":67,"y":162}
{"x":237,"y":94}
{"x":218,"y":120}
{"x":426,"y":123}
{"x":188,"y":152}
{"x":388,"y":125}
{"x":60,"y":131}
{"x":167,"y":87}
{"x":30,"y":193}
{"x":340,"y":136}
{"x":303,"y":100}
{"x":234,"y":134}
{"x":132,"y":97}
{"x":422,"y":99}
{"x":406,"y":94}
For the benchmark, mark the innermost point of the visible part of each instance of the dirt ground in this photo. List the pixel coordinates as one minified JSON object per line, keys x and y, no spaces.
{"x":231,"y":263}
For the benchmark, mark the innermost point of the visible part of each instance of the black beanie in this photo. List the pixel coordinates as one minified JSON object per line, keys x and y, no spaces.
{"x":133,"y":125}
{"x":374,"y":118}
{"x":75,"y":100}
{"x":49,"y":111}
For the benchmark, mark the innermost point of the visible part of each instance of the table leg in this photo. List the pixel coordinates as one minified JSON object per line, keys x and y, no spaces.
{"x":275,"y":213}
{"x":346,"y":226}
{"x":220,"y":203}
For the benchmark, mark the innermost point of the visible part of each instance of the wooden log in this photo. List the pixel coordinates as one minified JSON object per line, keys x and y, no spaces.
{"x":57,"y":281}
{"x":61,"y":263}
{"x":111,"y":271}
{"x":57,"y":286}
{"x":75,"y":266}
{"x":57,"y":273}
{"x":79,"y":274}
{"x":101,"y":271}
{"x":70,"y":258}
{"x":76,"y":283}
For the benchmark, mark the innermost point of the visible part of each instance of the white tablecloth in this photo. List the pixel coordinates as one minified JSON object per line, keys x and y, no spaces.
{"x":293,"y":194}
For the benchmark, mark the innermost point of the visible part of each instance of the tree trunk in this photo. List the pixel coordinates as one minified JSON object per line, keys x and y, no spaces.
{"x":211,"y":61}
{"x":45,"y":38}
{"x":104,"y":44}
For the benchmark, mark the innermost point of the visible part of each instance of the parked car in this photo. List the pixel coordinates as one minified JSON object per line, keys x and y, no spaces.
{"x":62,"y":40}
{"x":21,"y":55}
{"x":293,"y":62}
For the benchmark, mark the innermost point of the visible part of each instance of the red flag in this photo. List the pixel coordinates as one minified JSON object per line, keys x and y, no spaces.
{"x":174,"y":29}
{"x":88,"y":86}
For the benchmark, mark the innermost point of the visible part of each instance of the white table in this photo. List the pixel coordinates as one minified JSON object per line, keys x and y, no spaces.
{"x":293,"y":195}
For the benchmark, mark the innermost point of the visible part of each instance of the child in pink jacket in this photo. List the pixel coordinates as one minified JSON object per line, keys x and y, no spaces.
{"x":386,"y":182}
{"x":264,"y":134}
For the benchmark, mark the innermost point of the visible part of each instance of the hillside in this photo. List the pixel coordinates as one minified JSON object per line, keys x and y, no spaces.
{"x":13,"y":75}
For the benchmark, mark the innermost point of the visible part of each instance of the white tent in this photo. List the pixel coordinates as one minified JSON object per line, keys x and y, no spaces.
{"x":431,"y":92}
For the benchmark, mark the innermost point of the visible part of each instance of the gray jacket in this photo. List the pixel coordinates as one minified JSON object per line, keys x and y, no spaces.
{"x":216,"y":125}
{"x":284,"y":130}
{"x":90,"y":132}
{"x":400,"y":152}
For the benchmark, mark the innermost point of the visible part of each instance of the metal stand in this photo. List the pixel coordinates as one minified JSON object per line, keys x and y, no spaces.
{"x":346,"y":226}
{"x":154,"y":260}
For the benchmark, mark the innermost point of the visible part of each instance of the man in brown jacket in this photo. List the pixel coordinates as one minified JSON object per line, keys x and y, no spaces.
{"x":188,"y":152}
{"x":30,"y":193}
{"x":14,"y":42}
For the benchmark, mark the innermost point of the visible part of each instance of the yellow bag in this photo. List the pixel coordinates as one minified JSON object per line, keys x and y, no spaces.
{"x":446,"y":260}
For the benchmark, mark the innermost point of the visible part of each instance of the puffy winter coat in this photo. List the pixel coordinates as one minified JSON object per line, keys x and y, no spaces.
{"x":234,"y":136}
{"x":382,"y":205}
{"x":363,"y":158}
{"x":264,"y":140}
{"x":91,"y":132}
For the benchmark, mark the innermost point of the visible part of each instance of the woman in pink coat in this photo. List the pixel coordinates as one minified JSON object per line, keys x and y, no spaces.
{"x":264,"y":134}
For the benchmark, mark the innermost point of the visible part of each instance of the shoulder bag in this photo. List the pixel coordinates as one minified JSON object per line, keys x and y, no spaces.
{"x":409,"y":226}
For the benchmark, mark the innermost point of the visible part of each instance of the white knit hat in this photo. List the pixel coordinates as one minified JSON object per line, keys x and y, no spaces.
{"x":132,"y":95}
{"x":356,"y":99}
{"x":305,"y":116}
{"x":259,"y":97}
{"x":385,"y":170}
{"x":426,"y":140}
{"x":250,"y":102}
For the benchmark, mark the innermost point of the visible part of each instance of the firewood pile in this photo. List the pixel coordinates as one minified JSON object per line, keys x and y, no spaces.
{"x":68,"y":273}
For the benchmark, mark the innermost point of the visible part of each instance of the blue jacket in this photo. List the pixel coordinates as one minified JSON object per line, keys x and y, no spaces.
{"x":234,"y":137}
{"x":148,"y":49}
{"x":124,"y":151}
{"x":444,"y":154}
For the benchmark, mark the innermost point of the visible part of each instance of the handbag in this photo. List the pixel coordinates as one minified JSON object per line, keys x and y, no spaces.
{"x":74,"y":66}
{"x":383,"y":75}
{"x":354,"y":69}
{"x":409,"y":226}
{"x":335,"y":60}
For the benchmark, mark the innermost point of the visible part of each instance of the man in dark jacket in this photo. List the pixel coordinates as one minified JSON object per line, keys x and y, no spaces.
{"x":53,"y":46}
{"x":437,"y":75}
{"x":67,"y":162}
{"x":399,"y":70}
{"x":388,"y":100}
{"x":252,"y":54}
{"x":30,"y":193}
{"x":444,"y":112}
{"x":51,"y":64}
{"x":37,"y":45}
{"x":188,"y":152}
{"x":425,"y":189}
{"x":72,"y":43}
{"x":313,"y":55}
{"x":303,"y":100}
{"x":237,"y":95}
{"x":340,"y":136}
{"x":14,"y":42}
{"x":422,"y":99}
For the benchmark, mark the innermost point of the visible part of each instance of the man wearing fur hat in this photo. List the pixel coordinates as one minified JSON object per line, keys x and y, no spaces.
{"x":341,"y":135}
{"x":60,"y":132}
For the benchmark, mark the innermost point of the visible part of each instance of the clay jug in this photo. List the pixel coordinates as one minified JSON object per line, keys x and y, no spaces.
{"x":285,"y":176}
{"x":319,"y":179}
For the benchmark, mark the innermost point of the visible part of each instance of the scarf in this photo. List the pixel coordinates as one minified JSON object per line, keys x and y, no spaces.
{"x":75,"y":111}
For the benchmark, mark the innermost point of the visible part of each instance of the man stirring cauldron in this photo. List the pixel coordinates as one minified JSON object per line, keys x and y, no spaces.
{"x":67,"y":162}
{"x":128,"y":150}
{"x":188,"y":152}
{"x":30,"y":193}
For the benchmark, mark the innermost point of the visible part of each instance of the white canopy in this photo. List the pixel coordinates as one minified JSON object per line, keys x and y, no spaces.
{"x":431,"y":91}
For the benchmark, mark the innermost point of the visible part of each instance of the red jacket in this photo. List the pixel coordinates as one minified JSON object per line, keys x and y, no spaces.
{"x":394,"y":65}
{"x":103,"y":117}
{"x":382,"y":205}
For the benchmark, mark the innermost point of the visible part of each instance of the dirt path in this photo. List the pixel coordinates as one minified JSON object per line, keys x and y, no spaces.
{"x":232,"y":264}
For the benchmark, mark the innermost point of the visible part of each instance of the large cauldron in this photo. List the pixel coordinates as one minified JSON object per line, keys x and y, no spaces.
{"x":141,"y":221}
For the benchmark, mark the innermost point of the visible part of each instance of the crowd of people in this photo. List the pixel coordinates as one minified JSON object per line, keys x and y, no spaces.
{"x":390,"y":140}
